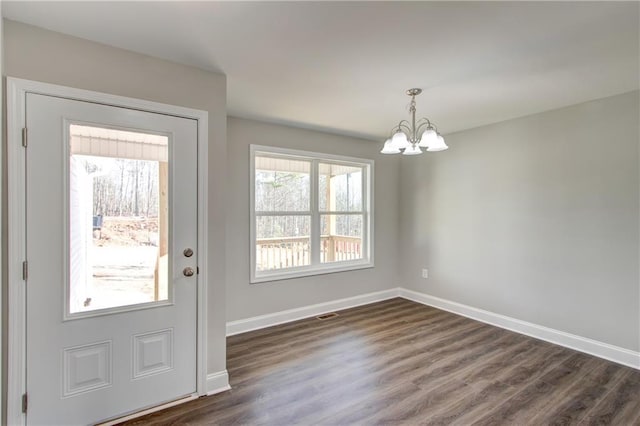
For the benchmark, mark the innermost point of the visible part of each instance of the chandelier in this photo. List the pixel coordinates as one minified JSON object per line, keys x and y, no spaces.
{"x":409,"y":137}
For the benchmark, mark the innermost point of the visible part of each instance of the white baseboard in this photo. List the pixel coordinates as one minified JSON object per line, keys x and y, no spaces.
{"x":155,"y":409}
{"x":583,"y":344}
{"x":217,"y":382}
{"x":263,"y":321}
{"x":593,"y":347}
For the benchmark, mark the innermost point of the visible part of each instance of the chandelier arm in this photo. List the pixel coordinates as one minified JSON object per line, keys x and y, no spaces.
{"x":401,"y":126}
{"x":422,"y":125}
{"x":395,"y":129}
{"x":404,"y":127}
{"x":424,"y":120}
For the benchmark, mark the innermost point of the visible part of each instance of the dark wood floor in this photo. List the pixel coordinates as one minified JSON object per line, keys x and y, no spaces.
{"x":399,"y":362}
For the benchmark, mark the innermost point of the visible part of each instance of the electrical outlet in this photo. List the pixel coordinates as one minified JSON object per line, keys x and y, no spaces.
{"x":425,"y":273}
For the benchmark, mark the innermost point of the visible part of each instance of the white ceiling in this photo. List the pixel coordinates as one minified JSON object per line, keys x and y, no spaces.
{"x":344,"y":66}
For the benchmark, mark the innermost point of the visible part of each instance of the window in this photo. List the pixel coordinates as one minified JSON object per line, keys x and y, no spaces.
{"x":311,"y":213}
{"x":118,"y":219}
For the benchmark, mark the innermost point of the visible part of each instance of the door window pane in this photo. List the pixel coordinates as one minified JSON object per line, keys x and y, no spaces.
{"x":118,"y":218}
{"x":282,"y":242}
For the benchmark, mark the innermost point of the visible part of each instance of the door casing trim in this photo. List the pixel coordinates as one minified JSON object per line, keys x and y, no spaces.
{"x":16,"y":219}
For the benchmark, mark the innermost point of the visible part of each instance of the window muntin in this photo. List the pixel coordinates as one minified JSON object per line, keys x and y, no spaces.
{"x":311,"y":213}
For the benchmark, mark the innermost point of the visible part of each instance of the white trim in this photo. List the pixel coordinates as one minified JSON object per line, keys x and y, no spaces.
{"x":340,"y":159}
{"x":16,"y":93}
{"x":72,"y":93}
{"x":307,"y":271}
{"x":315,"y":267}
{"x":592,"y":347}
{"x":2,"y":204}
{"x":315,"y":238}
{"x":203,"y":250}
{"x":217,"y":382}
{"x":16,"y":374}
{"x":149,"y":411}
{"x":268,"y":320}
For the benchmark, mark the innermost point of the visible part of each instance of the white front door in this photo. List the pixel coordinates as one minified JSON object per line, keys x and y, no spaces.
{"x":111,"y":202}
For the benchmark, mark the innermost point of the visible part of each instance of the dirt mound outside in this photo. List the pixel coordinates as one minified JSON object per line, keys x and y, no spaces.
{"x":127,"y":231}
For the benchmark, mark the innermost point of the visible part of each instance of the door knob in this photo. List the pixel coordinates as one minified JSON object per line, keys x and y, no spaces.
{"x":188,"y":271}
{"x":187,"y":252}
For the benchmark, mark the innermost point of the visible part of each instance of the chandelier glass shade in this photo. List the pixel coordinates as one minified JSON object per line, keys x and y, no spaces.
{"x":409,"y":137}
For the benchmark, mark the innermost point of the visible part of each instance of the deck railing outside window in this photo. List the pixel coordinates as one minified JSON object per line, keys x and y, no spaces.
{"x":288,"y":252}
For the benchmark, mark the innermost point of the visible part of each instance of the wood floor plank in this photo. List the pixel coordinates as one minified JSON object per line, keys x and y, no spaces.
{"x":398,"y":362}
{"x":620,"y":406}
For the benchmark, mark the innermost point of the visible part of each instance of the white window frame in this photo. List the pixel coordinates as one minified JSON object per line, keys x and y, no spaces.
{"x":315,"y":268}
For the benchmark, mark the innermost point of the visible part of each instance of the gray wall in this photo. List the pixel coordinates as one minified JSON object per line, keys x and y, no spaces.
{"x":534,"y":218}
{"x":36,"y":54}
{"x":246,"y":300}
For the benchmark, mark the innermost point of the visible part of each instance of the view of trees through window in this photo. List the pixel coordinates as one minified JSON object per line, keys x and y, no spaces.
{"x":114,"y":233}
{"x":283,"y":211}
{"x":124,"y":187}
{"x":277,"y":191}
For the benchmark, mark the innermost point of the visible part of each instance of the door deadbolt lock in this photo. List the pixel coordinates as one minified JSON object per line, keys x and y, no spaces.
{"x":187,"y":252}
{"x":188,"y":271}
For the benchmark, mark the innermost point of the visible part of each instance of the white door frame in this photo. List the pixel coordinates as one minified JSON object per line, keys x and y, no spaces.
{"x":16,"y":156}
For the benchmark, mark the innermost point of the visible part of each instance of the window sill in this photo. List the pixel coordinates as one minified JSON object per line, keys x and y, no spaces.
{"x":309,"y":271}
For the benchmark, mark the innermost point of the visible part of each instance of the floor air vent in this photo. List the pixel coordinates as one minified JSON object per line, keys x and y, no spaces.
{"x":327,"y":316}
